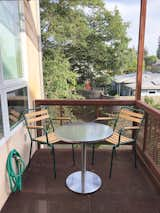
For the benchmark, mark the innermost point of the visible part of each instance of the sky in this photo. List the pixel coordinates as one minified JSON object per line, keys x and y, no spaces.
{"x":130,"y":10}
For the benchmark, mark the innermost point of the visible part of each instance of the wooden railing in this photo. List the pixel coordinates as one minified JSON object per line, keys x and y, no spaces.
{"x":149,"y":141}
{"x":149,"y":138}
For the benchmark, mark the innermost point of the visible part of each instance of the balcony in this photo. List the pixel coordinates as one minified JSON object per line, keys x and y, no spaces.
{"x":129,"y":189}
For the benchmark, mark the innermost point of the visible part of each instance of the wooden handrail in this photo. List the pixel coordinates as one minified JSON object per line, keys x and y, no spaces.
{"x":98,"y":102}
{"x":147,"y":108}
{"x":84,"y":102}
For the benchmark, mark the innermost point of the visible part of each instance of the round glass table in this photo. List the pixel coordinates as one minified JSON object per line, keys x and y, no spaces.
{"x":83,"y":181}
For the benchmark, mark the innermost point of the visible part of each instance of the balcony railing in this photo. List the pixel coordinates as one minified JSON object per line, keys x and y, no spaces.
{"x":148,"y":145}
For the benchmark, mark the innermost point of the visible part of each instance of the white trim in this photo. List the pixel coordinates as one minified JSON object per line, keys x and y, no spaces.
{"x":23,"y":41}
{"x":6,"y":127}
{"x":40,"y":49}
{"x":13,"y":85}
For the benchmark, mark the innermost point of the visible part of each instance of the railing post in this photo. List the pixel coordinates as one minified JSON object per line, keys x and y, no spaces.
{"x":141,"y":48}
{"x":61,"y":114}
{"x":97,"y":111}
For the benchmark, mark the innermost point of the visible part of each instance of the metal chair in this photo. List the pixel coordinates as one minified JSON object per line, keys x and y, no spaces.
{"x":119,"y":137}
{"x":39,"y":120}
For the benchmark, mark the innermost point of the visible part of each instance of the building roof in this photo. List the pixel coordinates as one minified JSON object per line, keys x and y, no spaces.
{"x":150,"y":80}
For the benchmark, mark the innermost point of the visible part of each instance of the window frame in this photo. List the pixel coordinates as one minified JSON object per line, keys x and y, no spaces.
{"x":14,"y":84}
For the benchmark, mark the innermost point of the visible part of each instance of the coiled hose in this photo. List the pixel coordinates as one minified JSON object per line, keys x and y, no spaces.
{"x":15,"y":177}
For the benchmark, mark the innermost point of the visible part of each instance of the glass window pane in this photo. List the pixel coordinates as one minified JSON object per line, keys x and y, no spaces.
{"x":1,"y":122}
{"x":10,"y":40}
{"x":17,"y":103}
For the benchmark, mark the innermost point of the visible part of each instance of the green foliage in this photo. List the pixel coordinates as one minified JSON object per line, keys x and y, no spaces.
{"x":80,"y":38}
{"x":131,"y":61}
{"x":59,"y":81}
{"x":150,"y":101}
{"x":158,"y":50}
{"x":103,"y":79}
{"x":149,"y":60}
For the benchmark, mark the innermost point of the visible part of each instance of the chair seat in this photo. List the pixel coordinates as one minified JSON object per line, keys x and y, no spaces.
{"x":52,"y":138}
{"x":115,"y":137}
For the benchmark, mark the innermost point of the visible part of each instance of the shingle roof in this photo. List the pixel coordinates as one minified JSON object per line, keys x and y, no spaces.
{"x":150,"y":80}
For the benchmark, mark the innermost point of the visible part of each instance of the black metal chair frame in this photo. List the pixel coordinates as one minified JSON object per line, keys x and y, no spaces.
{"x":45,"y":129}
{"x":121,"y":131}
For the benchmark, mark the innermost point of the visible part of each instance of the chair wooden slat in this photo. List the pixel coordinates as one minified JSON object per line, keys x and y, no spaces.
{"x":52,"y":138}
{"x":36,"y":113}
{"x":15,"y":113}
{"x":131,"y":127}
{"x":134,"y":114}
{"x":40,"y":118}
{"x":13,"y":118}
{"x":115,"y":137}
{"x":129,"y":118}
{"x":35,"y":127}
{"x":104,"y":118}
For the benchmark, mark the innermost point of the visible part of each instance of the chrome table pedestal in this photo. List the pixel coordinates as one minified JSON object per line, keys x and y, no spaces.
{"x":83,"y":182}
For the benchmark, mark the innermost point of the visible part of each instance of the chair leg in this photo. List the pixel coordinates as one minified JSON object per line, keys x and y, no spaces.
{"x":135,"y":156}
{"x":54,"y":162}
{"x":115,"y":153}
{"x":93,"y":153}
{"x":110,"y":171}
{"x":30,"y":153}
{"x":73,"y":154}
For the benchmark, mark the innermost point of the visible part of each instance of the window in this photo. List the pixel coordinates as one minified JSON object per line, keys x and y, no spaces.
{"x":17,"y":103}
{"x":152,"y":92}
{"x":13,"y":85}
{"x":10,"y":40}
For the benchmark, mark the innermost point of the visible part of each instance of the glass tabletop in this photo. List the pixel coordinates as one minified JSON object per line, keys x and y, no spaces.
{"x":83,"y":132}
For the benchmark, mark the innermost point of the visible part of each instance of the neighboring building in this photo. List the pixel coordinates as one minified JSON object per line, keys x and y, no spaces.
{"x":20,"y":78}
{"x":125,"y":85}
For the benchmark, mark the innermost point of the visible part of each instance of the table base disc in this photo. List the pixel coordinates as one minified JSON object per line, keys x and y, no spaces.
{"x":92,"y":182}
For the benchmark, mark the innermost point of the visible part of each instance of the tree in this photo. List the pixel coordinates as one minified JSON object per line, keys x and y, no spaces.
{"x":87,"y":37}
{"x":149,"y":60}
{"x":131,"y":61}
{"x":59,"y":81}
{"x":158,"y":50}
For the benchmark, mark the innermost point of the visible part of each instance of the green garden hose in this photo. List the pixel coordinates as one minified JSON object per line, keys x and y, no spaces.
{"x":15,"y":177}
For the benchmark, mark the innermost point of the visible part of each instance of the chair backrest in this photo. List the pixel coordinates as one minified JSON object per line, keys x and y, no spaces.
{"x":129,"y":116}
{"x":35,"y":118}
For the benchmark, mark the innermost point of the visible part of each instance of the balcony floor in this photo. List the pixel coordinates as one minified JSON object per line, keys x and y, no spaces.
{"x":129,"y":190}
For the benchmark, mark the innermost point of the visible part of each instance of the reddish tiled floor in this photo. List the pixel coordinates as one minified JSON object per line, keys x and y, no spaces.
{"x":129,"y":190}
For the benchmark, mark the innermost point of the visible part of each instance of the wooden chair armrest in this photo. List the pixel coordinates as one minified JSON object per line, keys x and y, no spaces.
{"x":35,"y":127}
{"x":104,"y":118}
{"x":62,"y":118}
